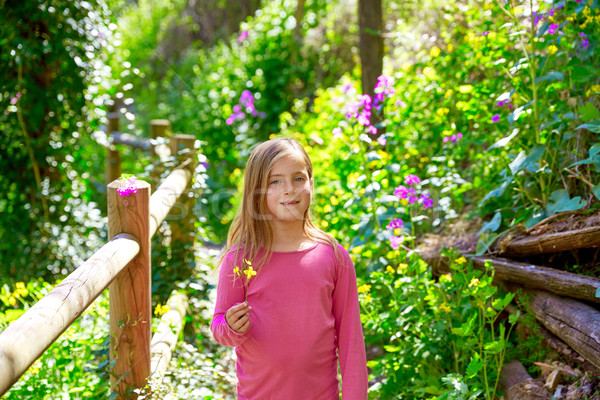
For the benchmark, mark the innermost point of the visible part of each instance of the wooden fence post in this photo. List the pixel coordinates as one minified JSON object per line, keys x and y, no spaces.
{"x":130,"y":292}
{"x":182,"y":226}
{"x":113,"y":156}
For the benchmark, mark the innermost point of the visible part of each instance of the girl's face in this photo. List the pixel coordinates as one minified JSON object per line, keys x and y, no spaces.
{"x":289,"y":189}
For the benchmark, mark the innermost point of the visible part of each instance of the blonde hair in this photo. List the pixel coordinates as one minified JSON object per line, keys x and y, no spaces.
{"x":251,"y":228}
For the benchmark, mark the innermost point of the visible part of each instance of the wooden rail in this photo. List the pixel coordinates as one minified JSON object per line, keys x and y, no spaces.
{"x":122,"y":265}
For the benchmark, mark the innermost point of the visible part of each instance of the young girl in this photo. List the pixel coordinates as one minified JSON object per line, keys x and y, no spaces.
{"x":298,"y":315}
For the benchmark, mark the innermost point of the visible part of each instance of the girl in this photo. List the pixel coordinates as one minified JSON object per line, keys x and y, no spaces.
{"x":293,"y":321}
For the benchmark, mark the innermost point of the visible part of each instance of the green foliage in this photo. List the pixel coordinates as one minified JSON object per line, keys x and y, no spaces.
{"x":76,"y":365}
{"x":435,"y":331}
{"x":50,"y":61}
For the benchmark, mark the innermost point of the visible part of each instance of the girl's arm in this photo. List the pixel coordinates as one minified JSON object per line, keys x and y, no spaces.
{"x":351,"y":343}
{"x":230,"y":292}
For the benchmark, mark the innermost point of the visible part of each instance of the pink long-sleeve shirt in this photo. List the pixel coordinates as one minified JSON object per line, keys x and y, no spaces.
{"x":304,"y":309}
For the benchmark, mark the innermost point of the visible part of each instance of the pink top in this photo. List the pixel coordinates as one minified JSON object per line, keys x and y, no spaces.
{"x":304,"y":308}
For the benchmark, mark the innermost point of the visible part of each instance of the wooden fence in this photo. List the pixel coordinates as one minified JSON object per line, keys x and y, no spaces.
{"x":122,"y":265}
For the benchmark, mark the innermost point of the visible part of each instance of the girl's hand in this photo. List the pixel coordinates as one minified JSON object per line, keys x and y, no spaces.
{"x":237,"y":317}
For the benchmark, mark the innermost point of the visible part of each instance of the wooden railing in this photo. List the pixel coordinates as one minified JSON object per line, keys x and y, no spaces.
{"x":122,"y":265}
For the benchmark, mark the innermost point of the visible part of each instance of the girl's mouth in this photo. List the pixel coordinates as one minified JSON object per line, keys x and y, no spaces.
{"x":289,"y":203}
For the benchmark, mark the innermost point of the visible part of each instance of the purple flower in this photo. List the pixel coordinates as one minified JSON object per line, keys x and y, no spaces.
{"x":496,"y":118}
{"x":337,"y":132}
{"x":127,"y":186}
{"x":372,"y":130}
{"x":446,"y":138}
{"x":243,"y":35}
{"x":426,"y":200}
{"x":396,"y":241}
{"x":485,"y":33}
{"x":553,"y":28}
{"x":536,"y":17}
{"x":585,"y":43}
{"x":13,"y":100}
{"x":395,"y":224}
{"x":411,"y":179}
{"x":459,"y":135}
{"x":402,"y":192}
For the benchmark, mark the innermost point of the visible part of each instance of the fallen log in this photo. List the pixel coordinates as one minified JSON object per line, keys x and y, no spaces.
{"x":575,"y":323}
{"x":533,"y":276}
{"x":517,"y":384}
{"x":551,"y":242}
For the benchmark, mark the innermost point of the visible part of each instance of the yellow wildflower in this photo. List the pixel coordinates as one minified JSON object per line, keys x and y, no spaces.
{"x":368,"y":298}
{"x":334,"y":200}
{"x":460,"y":260}
{"x":474,"y":282}
{"x":402,"y":267}
{"x":445,"y":307}
{"x":236,"y":271}
{"x":390,"y":270}
{"x":552,"y":49}
{"x":364,"y":288}
{"x":327,"y":208}
{"x":250,"y":272}
{"x":445,"y":278}
{"x":160,"y":309}
{"x":435,"y":51}
{"x":12,"y":301}
{"x":450,"y":47}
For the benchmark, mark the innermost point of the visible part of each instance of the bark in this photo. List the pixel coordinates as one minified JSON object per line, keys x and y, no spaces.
{"x":533,"y":276}
{"x":575,"y":323}
{"x":552,"y":242}
{"x":517,"y":384}
{"x":370,"y":22}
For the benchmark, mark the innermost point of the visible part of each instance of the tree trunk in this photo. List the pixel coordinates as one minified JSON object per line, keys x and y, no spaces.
{"x":370,"y":17}
{"x":533,"y":276}
{"x":552,"y":242}
{"x":575,"y":323}
{"x":518,"y":385}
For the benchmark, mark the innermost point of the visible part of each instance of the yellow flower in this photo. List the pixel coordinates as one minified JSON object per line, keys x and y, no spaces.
{"x":160,"y":309}
{"x":368,"y":298}
{"x":357,"y":250}
{"x":435,"y":51}
{"x":460,"y":260}
{"x":327,"y":208}
{"x":402,"y":267}
{"x":450,"y":47}
{"x":429,"y":73}
{"x":334,"y":200}
{"x":390,"y":270}
{"x":250,"y":272}
{"x":364,"y":288}
{"x":552,"y":49}
{"x":12,"y":301}
{"x":448,"y":93}
{"x":236,"y":271}
{"x":474,"y":282}
{"x":445,"y":307}
{"x":21,"y":285}
{"x":445,"y":278}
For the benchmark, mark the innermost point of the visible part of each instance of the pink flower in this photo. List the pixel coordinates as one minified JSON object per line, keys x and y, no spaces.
{"x":337,"y":132}
{"x":496,"y":118}
{"x":243,"y":35}
{"x":395,"y":241}
{"x":411,"y":179}
{"x":446,"y":138}
{"x":381,"y":140}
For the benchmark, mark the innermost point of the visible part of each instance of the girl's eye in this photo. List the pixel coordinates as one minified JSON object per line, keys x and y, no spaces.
{"x":274,"y":182}
{"x":300,"y":179}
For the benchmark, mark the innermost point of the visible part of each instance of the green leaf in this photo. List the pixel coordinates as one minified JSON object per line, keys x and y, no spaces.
{"x":589,"y":112}
{"x":504,"y":141}
{"x":513,"y":318}
{"x":561,"y":202}
{"x":493,"y":225}
{"x":550,"y":76}
{"x":498,"y":191}
{"x":474,"y":366}
{"x":523,"y":161}
{"x":596,"y":191}
{"x":484,"y":242}
{"x":494,"y":347}
{"x":392,"y":349}
{"x":592,"y":126}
